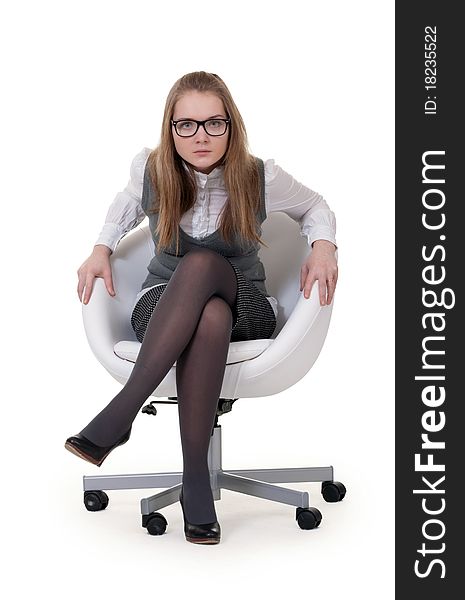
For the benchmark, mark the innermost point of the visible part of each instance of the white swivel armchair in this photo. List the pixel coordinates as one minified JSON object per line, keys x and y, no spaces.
{"x":254,"y":368}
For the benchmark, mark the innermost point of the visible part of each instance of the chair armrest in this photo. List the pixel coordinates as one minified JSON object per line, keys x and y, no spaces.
{"x":293,"y":352}
{"x":105,"y":323}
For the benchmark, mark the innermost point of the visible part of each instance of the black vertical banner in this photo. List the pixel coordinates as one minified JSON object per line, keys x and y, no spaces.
{"x":430,"y":332}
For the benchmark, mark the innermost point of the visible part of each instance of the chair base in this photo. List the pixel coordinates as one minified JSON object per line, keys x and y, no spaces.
{"x":253,"y":482}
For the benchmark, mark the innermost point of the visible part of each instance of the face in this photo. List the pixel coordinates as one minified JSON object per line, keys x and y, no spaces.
{"x":200,"y":106}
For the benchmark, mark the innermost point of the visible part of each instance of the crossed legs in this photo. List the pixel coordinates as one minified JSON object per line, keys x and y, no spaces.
{"x":191,"y":324}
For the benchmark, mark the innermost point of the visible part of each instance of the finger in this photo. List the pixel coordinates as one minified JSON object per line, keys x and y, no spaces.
{"x":88,"y":290}
{"x":109,"y":283}
{"x":303,"y":275}
{"x":330,"y":290}
{"x":80,"y":286}
{"x":308,"y":285}
{"x":322,"y":291}
{"x":332,"y":281}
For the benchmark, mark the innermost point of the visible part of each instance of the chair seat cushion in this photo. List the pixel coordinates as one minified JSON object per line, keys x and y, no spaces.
{"x":238,"y":351}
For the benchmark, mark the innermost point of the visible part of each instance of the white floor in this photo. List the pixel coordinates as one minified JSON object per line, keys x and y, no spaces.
{"x":60,"y":550}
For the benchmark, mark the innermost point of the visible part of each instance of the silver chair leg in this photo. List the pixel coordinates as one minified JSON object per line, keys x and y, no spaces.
{"x":131,"y":482}
{"x":261,"y":489}
{"x":253,"y":482}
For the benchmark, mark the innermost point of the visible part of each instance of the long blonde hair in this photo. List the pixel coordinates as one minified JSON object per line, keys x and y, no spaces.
{"x":175,"y":186}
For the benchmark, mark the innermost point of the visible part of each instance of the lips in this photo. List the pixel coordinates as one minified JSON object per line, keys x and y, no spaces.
{"x":201,"y":151}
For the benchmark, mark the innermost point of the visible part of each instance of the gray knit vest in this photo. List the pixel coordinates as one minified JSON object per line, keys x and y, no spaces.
{"x":245,"y":257}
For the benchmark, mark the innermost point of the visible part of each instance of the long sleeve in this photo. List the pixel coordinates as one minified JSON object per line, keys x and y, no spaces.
{"x":285,"y":194}
{"x":125,"y":212}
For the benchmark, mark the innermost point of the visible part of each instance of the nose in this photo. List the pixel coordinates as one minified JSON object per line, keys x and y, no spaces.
{"x":201,"y":135}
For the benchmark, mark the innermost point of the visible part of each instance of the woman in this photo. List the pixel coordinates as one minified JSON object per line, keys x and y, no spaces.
{"x":206,"y":197}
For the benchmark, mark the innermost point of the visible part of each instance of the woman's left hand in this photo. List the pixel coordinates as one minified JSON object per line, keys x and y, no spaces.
{"x":322,"y":265}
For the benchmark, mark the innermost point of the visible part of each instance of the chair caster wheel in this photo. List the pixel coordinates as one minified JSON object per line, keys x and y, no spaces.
{"x":333,"y":491}
{"x":95,"y":500}
{"x":308,"y":518}
{"x":155,"y":523}
{"x":149,"y":409}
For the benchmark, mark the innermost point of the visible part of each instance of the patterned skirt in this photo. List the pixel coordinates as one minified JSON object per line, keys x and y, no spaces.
{"x":253,"y":316}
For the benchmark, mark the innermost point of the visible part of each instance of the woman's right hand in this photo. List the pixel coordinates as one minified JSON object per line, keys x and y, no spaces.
{"x":97,"y":265}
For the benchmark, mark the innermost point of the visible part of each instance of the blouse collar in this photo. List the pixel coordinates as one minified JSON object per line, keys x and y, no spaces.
{"x":203,"y":178}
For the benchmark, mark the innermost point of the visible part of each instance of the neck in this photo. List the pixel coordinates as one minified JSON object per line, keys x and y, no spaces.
{"x":209,"y":169}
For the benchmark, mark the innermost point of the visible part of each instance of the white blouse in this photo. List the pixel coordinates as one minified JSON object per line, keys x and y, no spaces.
{"x":282,"y":194}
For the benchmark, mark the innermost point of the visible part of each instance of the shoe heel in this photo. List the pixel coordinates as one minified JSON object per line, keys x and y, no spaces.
{"x":208,"y":533}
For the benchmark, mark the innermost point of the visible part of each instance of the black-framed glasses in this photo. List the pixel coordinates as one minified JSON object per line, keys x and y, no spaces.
{"x":189,"y":127}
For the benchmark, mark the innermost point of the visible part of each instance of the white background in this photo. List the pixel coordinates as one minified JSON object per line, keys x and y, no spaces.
{"x":84,"y":85}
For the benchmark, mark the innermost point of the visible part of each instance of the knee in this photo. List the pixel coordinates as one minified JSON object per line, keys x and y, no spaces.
{"x":200,"y":259}
{"x":216,"y":318}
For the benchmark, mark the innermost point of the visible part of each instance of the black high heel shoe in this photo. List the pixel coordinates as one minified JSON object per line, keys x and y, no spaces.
{"x":84,"y":448}
{"x":208,"y":533}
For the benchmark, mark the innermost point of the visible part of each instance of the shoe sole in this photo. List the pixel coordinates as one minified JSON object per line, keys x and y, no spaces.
{"x":86,"y":457}
{"x":202,"y":540}
{"x":89,"y":458}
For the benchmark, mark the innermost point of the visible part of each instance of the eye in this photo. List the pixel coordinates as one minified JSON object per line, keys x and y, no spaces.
{"x":186,"y":125}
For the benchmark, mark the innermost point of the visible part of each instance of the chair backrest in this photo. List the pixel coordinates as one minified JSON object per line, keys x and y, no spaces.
{"x":282,"y":259}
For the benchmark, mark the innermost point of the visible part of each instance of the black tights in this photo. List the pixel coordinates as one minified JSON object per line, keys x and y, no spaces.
{"x":191,"y":324}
